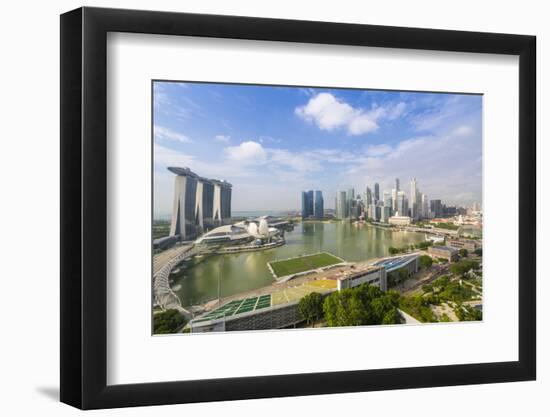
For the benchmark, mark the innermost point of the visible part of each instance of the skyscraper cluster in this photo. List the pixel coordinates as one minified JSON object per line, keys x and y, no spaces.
{"x":348,"y":205}
{"x":200,"y":204}
{"x":380,"y":207}
{"x":313,"y":205}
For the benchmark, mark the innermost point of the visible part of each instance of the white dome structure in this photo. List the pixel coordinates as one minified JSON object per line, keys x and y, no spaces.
{"x":253,"y":229}
{"x":264,"y":228}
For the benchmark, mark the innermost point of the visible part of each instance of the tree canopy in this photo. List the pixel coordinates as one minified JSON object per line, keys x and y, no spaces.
{"x":167,"y":322}
{"x":425,"y":261}
{"x":362,"y":305}
{"x":463,"y":266}
{"x":311,"y":307}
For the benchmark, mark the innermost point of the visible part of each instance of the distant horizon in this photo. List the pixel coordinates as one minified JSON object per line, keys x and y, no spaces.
{"x":272,"y":143}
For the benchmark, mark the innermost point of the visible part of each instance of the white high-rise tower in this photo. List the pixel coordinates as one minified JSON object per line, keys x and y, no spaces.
{"x":414,"y":200}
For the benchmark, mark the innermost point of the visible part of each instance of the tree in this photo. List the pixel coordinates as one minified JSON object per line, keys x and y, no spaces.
{"x":393,"y":250}
{"x":424,"y":245}
{"x":425,"y":261}
{"x":311,"y":307}
{"x":168,"y":321}
{"x":445,"y":318}
{"x":467,"y":313}
{"x":427,"y":288}
{"x":463,"y":253}
{"x":463,"y":266}
{"x":362,"y":305}
{"x":418,"y":307}
{"x":392,"y":317}
{"x":403,"y":274}
{"x":442,"y":281}
{"x":479,"y":252}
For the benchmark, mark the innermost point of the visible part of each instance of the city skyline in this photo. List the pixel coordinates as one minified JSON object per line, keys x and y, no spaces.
{"x":274,"y":142}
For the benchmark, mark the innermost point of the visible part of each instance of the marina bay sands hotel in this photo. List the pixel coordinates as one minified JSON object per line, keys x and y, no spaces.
{"x":200,"y":204}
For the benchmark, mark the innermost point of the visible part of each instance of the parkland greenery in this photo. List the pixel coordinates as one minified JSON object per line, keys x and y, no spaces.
{"x":168,"y":321}
{"x":362,"y":305}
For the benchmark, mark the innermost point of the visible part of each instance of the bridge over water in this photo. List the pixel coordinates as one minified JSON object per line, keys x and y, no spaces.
{"x":163,"y":264}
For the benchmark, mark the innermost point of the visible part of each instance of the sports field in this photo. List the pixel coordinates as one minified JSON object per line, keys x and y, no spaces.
{"x":291,"y":294}
{"x":303,"y":263}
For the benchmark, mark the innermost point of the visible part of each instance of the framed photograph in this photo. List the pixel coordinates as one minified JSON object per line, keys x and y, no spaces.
{"x":258,"y":207}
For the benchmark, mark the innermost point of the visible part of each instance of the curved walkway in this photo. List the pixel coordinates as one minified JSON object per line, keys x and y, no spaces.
{"x":164,"y":297}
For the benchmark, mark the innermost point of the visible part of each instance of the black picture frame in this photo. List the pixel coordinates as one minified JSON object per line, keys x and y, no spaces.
{"x":84,"y":207}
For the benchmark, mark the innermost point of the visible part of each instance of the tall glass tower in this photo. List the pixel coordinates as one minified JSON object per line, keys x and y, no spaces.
{"x":318,"y":205}
{"x":307,"y":204}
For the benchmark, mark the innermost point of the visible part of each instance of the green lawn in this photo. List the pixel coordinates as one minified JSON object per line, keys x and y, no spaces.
{"x":303,"y":263}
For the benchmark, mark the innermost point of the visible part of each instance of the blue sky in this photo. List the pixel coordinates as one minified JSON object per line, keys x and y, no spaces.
{"x":273,"y":142}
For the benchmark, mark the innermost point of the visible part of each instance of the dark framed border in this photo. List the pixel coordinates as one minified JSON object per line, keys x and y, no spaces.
{"x":84,"y":207}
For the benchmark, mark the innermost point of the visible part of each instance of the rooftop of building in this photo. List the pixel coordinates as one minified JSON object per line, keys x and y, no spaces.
{"x":186,"y":172}
{"x":352,"y":273}
{"x":443,"y":248}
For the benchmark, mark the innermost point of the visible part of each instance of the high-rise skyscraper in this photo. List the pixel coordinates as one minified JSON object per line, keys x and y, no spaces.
{"x":387,"y":199}
{"x":355,"y":208}
{"x":385,"y":213}
{"x":425,"y":212}
{"x":318,"y":205}
{"x":204,"y":202}
{"x":402,"y":208}
{"x":394,"y":195}
{"x":199,"y":203}
{"x":307,"y":204}
{"x":376,"y":193}
{"x":367,"y":202}
{"x":413,"y":199}
{"x":351,"y":195}
{"x":436,"y":208}
{"x":342,"y":205}
{"x":222,"y":202}
{"x":368,"y":196}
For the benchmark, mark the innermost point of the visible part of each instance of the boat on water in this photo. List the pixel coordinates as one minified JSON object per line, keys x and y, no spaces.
{"x":175,"y":271}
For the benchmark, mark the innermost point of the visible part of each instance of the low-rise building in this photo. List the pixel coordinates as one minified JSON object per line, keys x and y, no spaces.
{"x":468,"y":244}
{"x":372,"y":275}
{"x":400,"y":220}
{"x":446,"y":252}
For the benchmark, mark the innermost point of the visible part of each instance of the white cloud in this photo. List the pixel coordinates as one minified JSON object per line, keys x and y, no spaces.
{"x":361,"y":124}
{"x":165,"y":157}
{"x":251,"y":153}
{"x":463,"y":131}
{"x":248,"y":152}
{"x":165,"y":133}
{"x":165,"y":102}
{"x":268,"y":139}
{"x":223,"y":138}
{"x":379,"y":150}
{"x":299,"y":162}
{"x":407,"y":146}
{"x":444,"y":167}
{"x":331,"y":155}
{"x":330,"y":113}
{"x":396,"y":111}
{"x":447,"y":111}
